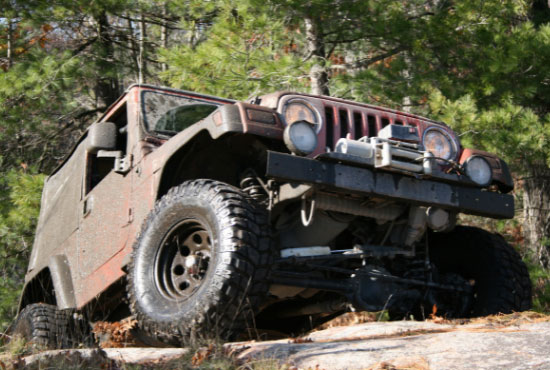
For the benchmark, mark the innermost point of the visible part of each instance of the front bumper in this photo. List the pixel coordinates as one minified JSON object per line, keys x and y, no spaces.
{"x":350,"y":179}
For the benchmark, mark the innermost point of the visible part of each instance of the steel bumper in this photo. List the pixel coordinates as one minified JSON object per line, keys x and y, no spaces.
{"x":350,"y":179}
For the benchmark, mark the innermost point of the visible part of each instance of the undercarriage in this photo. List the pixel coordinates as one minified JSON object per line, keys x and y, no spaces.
{"x":367,"y":249}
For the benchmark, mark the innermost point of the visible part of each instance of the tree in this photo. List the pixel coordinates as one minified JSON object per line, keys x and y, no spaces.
{"x":240,"y":51}
{"x":491,"y":56}
{"x":61,"y":65}
{"x":250,"y":45}
{"x":508,"y":112}
{"x":480,"y":65}
{"x":20,"y":192}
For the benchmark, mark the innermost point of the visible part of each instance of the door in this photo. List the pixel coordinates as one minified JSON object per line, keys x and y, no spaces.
{"x":105,"y":216}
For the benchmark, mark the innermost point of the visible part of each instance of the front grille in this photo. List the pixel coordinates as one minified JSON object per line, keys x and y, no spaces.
{"x":356,"y":122}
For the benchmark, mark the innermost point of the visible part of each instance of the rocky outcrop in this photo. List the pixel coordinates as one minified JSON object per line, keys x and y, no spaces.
{"x":501,"y":342}
{"x":414,"y":345}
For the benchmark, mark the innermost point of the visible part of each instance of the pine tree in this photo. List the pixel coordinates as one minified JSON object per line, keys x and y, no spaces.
{"x":507,"y":112}
{"x":488,"y":56}
{"x":61,"y":65}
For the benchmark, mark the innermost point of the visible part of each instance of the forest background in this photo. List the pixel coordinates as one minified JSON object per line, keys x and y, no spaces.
{"x":481,"y":66}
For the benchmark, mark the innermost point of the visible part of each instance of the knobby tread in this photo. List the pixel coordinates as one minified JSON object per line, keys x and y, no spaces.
{"x":245,"y":254}
{"x":503,"y":281}
{"x":46,"y":326}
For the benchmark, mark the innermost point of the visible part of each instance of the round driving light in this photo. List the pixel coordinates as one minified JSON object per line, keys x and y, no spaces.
{"x":300,"y":138}
{"x":479,"y":170}
{"x":439,"y":143}
{"x":301,"y":110}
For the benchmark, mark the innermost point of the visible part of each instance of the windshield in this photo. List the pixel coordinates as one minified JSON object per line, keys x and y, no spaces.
{"x":168,"y":114}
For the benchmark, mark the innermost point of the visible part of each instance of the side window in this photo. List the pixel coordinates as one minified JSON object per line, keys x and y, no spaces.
{"x":98,"y":165}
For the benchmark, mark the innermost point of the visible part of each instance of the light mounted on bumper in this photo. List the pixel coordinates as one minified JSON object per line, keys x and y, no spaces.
{"x":300,"y":138}
{"x":479,"y":170}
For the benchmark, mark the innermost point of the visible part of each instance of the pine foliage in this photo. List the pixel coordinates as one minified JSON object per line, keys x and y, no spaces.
{"x":482,"y":66}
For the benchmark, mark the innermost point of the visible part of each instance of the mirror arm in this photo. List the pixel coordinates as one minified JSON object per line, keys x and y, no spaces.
{"x":123,"y":163}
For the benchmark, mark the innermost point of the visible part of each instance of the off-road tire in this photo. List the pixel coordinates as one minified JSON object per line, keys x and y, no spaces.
{"x":226,"y":298}
{"x":46,"y":326}
{"x":502,"y":283}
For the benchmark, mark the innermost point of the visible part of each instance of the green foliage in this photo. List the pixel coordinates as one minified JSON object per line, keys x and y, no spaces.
{"x":242,"y":55}
{"x":516,"y":133}
{"x":498,"y":98}
{"x":20,"y":193}
{"x":16,"y":347}
{"x":482,"y":66}
{"x":540,"y":278}
{"x":36,"y":98}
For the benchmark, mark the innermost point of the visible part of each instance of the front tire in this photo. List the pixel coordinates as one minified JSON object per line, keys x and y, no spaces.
{"x":200,"y":265}
{"x":499,"y":278}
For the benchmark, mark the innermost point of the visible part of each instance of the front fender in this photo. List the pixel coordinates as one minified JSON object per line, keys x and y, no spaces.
{"x":239,"y":118}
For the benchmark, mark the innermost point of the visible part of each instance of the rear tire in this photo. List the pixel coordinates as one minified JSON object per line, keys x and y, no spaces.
{"x":500,"y":279}
{"x":45,"y":326}
{"x":200,"y":265}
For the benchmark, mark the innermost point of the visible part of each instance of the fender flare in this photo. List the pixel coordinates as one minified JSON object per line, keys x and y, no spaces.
{"x":58,"y":273}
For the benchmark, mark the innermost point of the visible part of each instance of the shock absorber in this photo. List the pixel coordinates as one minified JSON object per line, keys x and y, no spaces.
{"x":253,"y":185}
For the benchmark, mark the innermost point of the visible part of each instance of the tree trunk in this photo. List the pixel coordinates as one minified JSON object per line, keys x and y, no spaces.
{"x":142,"y":64}
{"x":406,"y":102}
{"x":107,"y":86}
{"x":164,"y":34}
{"x":536,"y":211}
{"x":133,"y":47}
{"x":10,"y":43}
{"x":316,"y":50}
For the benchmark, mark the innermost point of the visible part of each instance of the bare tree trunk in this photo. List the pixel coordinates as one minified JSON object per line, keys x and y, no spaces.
{"x":133,"y":47}
{"x":164,"y":34}
{"x":107,"y":86}
{"x":406,"y":103}
{"x":316,"y":50}
{"x":536,"y":211}
{"x":10,"y":43}
{"x":142,"y":64}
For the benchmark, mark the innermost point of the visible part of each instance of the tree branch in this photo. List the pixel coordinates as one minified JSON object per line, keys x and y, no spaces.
{"x":368,"y":61}
{"x":81,"y":48}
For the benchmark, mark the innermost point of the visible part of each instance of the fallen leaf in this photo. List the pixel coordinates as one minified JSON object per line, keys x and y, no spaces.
{"x":201,"y":355}
{"x":402,"y":363}
{"x":301,"y":340}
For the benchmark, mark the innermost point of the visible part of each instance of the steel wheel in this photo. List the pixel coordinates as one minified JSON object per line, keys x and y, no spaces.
{"x":183,"y":260}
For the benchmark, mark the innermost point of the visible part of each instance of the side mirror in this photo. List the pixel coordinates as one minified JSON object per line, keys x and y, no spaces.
{"x":102,"y":136}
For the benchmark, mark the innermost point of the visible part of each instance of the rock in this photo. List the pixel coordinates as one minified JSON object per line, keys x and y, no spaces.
{"x":99,"y":358}
{"x":413,"y":345}
{"x":518,"y":341}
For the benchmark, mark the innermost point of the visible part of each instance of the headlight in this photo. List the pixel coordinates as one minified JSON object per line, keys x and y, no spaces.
{"x":479,"y":170}
{"x":301,"y":110}
{"x":439,"y":143}
{"x":300,"y":138}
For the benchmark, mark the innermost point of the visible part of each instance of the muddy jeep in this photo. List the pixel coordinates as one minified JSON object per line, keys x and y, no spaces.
{"x":204,"y":216}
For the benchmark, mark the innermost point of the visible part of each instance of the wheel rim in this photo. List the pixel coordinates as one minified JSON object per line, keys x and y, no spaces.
{"x":183,"y":260}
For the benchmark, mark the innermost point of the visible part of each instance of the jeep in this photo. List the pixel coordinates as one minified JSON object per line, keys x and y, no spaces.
{"x":198,"y":215}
